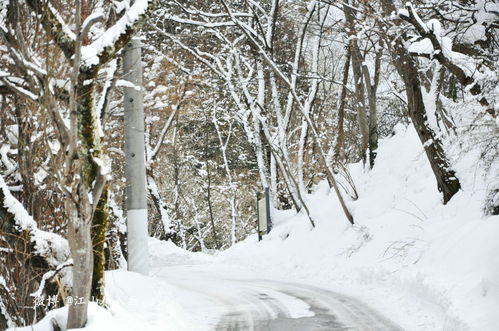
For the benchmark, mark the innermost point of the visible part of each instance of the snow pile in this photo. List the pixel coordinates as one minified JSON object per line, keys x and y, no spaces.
{"x":164,"y":253}
{"x":135,"y":302}
{"x":150,"y":302}
{"x":427,"y":266}
{"x":98,"y":317}
{"x":138,"y":302}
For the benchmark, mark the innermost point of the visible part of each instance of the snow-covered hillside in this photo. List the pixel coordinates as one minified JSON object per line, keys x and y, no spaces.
{"x":430,"y":266}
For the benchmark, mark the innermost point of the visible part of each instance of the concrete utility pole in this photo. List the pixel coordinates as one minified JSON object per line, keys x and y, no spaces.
{"x":135,"y":167}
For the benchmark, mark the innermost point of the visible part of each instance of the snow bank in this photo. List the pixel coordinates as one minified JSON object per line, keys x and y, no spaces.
{"x":99,"y":319}
{"x":150,"y":302}
{"x":135,"y":302}
{"x":425,"y":265}
{"x":144,"y":302}
{"x":138,"y":302}
{"x":164,"y":253}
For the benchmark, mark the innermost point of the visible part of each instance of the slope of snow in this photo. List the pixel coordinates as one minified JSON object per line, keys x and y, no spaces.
{"x":427,"y":266}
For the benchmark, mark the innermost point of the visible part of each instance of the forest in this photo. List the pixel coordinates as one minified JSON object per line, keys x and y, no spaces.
{"x":237,"y":96}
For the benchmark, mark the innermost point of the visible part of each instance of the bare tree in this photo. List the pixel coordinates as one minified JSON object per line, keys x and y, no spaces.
{"x":84,"y":174}
{"x":407,"y":68}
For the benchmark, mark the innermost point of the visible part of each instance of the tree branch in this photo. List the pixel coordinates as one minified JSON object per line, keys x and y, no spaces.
{"x":54,"y":26}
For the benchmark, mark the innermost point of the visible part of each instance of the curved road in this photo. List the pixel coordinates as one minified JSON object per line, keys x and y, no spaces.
{"x":228,"y":302}
{"x":328,"y":311}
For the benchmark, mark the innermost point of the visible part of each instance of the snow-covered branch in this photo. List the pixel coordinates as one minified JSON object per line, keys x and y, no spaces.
{"x":103,"y":49}
{"x":439,"y":47}
{"x":52,"y":247}
{"x":54,"y":26}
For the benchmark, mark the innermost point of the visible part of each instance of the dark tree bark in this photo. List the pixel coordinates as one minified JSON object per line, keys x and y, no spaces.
{"x":22,"y":265}
{"x":100,"y":224}
{"x":372,"y":88}
{"x":208,"y":194}
{"x":360,"y":101}
{"x":340,"y":141}
{"x":407,"y":68}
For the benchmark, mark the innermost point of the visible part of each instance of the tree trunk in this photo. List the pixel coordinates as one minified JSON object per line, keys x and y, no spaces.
{"x":160,"y":205}
{"x":232,"y":186}
{"x":446,"y":178}
{"x":82,"y":175}
{"x":218,"y":243}
{"x":360,"y":101}
{"x":372,"y":88}
{"x":339,"y":153}
{"x":100,"y":225}
{"x":80,"y":244}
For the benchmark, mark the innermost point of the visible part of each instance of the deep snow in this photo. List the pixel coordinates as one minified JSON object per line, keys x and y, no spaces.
{"x":424,"y":265}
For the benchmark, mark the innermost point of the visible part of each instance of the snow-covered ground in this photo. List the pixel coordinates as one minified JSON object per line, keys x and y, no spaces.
{"x":427,"y":266}
{"x":421,"y":264}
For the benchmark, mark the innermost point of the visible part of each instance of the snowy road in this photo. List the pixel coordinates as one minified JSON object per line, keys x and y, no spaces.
{"x":229,"y":301}
{"x":331,"y":311}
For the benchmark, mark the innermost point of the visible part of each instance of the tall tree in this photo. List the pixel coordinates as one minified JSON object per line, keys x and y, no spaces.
{"x":407,"y":68}
{"x":84,"y":173}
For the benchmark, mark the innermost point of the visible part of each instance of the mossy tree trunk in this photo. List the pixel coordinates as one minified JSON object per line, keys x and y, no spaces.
{"x":83,"y":182}
{"x":100,"y":225}
{"x":85,"y":173}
